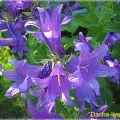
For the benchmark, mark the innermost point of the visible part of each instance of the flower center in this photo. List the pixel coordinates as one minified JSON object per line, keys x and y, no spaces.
{"x":85,"y":67}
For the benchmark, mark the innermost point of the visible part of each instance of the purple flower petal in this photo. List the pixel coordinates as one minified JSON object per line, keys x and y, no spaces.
{"x":19,"y":40}
{"x":56,"y":85}
{"x":43,"y":83}
{"x":111,"y":38}
{"x":38,"y":35}
{"x":46,"y":70}
{"x":3,"y":25}
{"x":33,"y":23}
{"x":49,"y":28}
{"x":12,"y":91}
{"x":58,"y":69}
{"x":23,"y":86}
{"x":50,"y":106}
{"x":104,"y":71}
{"x":22,"y":76}
{"x":85,"y":93}
{"x":84,"y":77}
{"x":7,"y":42}
{"x":100,"y":110}
{"x":15,"y":6}
{"x":71,"y":65}
{"x":11,"y":75}
{"x":113,"y":63}
{"x":14,"y":32}
{"x":41,"y":114}
{"x":66,"y":20}
{"x":84,"y":41}
{"x":99,"y":53}
{"x":83,"y":48}
{"x":36,"y":93}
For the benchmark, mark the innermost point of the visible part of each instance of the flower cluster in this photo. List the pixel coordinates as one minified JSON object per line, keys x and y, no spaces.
{"x":54,"y":79}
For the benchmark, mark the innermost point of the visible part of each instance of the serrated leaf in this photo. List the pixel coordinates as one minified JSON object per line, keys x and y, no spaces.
{"x":89,"y":5}
{"x":86,"y":21}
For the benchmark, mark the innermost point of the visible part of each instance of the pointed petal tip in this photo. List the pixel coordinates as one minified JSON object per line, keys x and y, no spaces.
{"x":59,"y":8}
{"x":81,"y":34}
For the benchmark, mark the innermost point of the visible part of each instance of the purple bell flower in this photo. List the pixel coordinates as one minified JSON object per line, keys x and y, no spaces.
{"x":17,"y":42}
{"x":41,"y":114}
{"x":14,"y":6}
{"x":49,"y":25}
{"x":113,"y":63}
{"x":55,"y":86}
{"x":86,"y":71}
{"x":111,"y":38}
{"x":83,"y":40}
{"x":22,"y":76}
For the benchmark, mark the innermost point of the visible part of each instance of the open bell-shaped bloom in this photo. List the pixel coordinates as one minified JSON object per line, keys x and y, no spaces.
{"x":87,"y":69}
{"x":17,"y":41}
{"x":21,"y":76}
{"x":56,"y":85}
{"x":49,"y":25}
{"x":41,"y":93}
{"x":84,"y":40}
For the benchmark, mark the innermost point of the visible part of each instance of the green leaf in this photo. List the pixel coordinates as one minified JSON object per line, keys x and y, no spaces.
{"x":114,"y":108}
{"x":105,"y":15}
{"x":71,"y":27}
{"x":116,"y":51}
{"x":68,"y":42}
{"x":89,"y":5}
{"x":113,"y":27}
{"x":106,"y":91}
{"x":86,"y":21}
{"x":1,"y":35}
{"x":66,"y":111}
{"x":37,"y":51}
